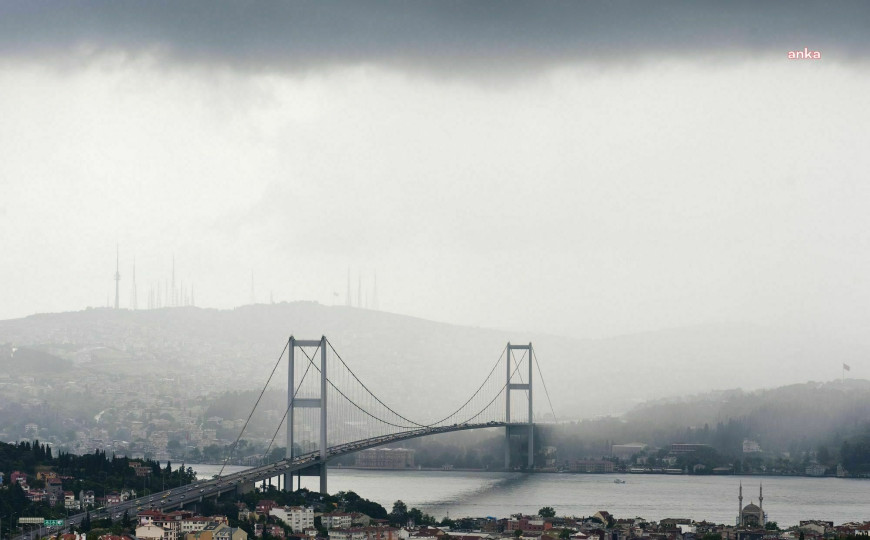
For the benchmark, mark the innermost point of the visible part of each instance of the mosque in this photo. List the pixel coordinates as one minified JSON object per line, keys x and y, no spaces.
{"x":750,"y":515}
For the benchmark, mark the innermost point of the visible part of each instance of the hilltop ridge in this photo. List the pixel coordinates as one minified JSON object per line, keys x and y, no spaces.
{"x":403,"y":357}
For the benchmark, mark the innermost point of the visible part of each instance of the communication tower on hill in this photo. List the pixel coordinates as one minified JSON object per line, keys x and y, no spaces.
{"x":117,"y":276}
{"x":134,"y":301}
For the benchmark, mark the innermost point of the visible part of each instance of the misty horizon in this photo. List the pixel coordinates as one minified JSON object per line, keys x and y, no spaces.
{"x":576,"y":170}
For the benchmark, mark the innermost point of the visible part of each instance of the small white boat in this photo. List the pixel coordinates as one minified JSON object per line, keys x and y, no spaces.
{"x":618,"y":481}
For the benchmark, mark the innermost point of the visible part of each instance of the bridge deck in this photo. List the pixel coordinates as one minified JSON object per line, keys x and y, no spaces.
{"x":214,"y":487}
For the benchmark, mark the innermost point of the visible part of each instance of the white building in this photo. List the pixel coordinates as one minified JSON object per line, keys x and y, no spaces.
{"x":347,"y":534}
{"x":150,"y":532}
{"x":194,"y":524}
{"x":626,"y":451}
{"x":814,"y":469}
{"x":69,"y":501}
{"x":336,"y":520}
{"x":297,"y":518}
{"x":750,"y":447}
{"x":86,"y":498}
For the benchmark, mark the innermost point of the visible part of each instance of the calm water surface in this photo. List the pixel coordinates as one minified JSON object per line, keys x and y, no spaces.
{"x":787,"y":500}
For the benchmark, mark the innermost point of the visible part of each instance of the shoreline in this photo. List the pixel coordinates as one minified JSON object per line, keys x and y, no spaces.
{"x":613,"y":474}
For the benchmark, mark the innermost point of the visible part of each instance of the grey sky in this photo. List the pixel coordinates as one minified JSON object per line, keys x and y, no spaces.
{"x":448,"y":36}
{"x":579,"y":168}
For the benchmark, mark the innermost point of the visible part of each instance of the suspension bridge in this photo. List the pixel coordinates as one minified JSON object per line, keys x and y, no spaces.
{"x":330,"y":413}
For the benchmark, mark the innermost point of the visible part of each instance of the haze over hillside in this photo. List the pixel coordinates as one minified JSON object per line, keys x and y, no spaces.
{"x":415,"y":363}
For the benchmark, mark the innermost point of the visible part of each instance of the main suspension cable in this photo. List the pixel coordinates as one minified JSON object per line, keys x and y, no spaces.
{"x":546,"y":392}
{"x":367,"y":388}
{"x":360,"y":408}
{"x":287,"y":410}
{"x":233,"y":447}
{"x":497,"y":362}
{"x":503,"y":388}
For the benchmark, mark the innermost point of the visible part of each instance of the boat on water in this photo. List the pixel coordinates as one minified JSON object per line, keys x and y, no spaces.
{"x":618,"y":481}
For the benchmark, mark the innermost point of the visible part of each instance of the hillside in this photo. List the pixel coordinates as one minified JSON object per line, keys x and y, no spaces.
{"x":403,"y":357}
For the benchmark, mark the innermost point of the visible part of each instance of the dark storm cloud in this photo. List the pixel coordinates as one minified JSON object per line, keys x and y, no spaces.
{"x":458,"y":36}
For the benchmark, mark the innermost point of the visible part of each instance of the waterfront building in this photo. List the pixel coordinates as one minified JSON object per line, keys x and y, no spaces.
{"x":751,"y":447}
{"x":626,"y":451}
{"x":686,"y":448}
{"x":592,"y":466}
{"x":815,"y":469}
{"x":385,"y":458}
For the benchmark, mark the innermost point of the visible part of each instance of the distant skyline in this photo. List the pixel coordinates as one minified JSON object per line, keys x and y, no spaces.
{"x":165,"y":292}
{"x":581,"y":169}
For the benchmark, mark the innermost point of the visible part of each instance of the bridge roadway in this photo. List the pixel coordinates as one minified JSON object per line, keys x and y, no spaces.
{"x":177,"y":497}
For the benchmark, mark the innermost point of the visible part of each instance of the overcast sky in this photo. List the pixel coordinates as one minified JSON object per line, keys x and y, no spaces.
{"x":579,"y":168}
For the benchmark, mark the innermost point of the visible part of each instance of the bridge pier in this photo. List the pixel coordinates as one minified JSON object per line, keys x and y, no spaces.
{"x":509,"y":386}
{"x":316,"y":403}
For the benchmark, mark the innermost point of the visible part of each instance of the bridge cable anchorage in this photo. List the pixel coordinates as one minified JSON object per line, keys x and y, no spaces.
{"x":233,"y":447}
{"x":546,"y":392}
{"x":287,"y":410}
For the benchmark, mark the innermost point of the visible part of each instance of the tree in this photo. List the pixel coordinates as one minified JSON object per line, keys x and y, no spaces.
{"x":399,"y":513}
{"x":321,"y":530}
{"x":547,"y":512}
{"x":518,"y":533}
{"x":564,"y":534}
{"x":86,"y":523}
{"x":771,"y":526}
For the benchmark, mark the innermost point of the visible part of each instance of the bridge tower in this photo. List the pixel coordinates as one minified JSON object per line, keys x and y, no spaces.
{"x":301,"y":403}
{"x":509,"y":386}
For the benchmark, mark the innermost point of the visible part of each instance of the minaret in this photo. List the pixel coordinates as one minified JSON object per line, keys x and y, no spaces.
{"x":761,"y":504}
{"x":359,"y":290}
{"x":740,"y":505}
{"x":117,"y":275}
{"x":375,"y":304}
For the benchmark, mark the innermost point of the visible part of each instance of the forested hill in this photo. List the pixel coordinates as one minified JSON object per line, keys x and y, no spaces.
{"x":800,"y":423}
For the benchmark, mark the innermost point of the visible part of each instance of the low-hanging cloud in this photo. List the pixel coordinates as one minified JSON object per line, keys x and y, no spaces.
{"x":451,"y":36}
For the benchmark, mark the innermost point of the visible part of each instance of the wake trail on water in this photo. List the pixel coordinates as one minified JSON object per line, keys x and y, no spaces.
{"x":463,"y":497}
